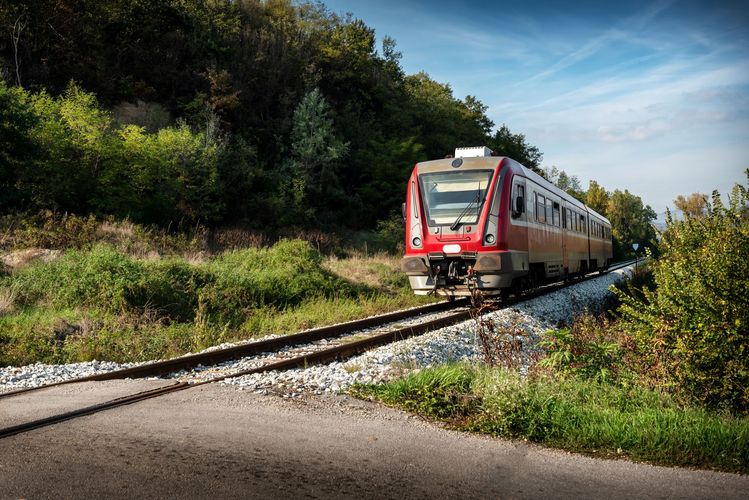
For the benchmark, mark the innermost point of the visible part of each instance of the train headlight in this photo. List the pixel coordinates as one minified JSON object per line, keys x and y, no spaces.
{"x":416,"y":242}
{"x":490,"y":238}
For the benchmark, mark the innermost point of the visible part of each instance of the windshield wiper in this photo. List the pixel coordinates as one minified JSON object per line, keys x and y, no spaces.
{"x":455,"y":224}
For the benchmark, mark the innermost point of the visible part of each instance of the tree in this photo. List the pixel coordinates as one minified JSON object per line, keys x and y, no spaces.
{"x":313,"y":185}
{"x":443,"y":122}
{"x":694,"y":205}
{"x":630,"y":219}
{"x":505,"y":143}
{"x":597,"y":198}
{"x":17,"y":150}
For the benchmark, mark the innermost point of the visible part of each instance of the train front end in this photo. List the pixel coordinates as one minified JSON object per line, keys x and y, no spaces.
{"x":453,"y":241}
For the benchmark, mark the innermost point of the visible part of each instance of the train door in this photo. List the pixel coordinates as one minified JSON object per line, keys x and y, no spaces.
{"x":518,"y":233}
{"x":565,"y":237}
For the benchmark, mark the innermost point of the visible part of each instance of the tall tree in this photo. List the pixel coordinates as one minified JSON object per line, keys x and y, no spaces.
{"x":694,"y":205}
{"x":17,"y":150}
{"x":630,"y":219}
{"x":597,"y":198}
{"x":316,"y":151}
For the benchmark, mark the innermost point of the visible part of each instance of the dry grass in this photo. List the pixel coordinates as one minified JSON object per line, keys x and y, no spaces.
{"x":365,"y":270}
{"x":22,"y":258}
{"x":7,"y":301}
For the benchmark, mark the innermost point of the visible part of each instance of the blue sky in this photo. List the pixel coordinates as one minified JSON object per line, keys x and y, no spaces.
{"x":647,"y":96}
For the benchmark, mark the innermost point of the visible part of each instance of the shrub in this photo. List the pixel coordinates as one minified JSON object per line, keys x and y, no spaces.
{"x":589,"y":349}
{"x":692,"y":331}
{"x":282,"y":275}
{"x":106,"y":279}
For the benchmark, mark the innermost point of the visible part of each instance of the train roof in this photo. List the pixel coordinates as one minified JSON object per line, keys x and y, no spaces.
{"x":484,"y":162}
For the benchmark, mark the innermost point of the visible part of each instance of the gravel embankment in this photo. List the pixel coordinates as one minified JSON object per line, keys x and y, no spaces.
{"x":528,"y":320}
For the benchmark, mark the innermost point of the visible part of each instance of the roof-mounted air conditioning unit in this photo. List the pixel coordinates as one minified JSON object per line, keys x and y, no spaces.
{"x":472,"y":152}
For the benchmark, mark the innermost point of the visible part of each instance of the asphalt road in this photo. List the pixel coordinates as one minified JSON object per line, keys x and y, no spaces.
{"x":219,"y":442}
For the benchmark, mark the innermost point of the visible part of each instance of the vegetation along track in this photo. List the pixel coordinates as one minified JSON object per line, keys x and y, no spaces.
{"x":347,"y":346}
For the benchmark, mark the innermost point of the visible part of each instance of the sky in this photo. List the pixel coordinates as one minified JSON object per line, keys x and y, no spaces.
{"x":652,"y":97}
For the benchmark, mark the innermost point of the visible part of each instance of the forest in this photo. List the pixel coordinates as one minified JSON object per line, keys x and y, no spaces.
{"x":249,"y":113}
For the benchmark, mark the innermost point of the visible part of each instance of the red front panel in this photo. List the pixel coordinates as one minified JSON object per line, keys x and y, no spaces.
{"x":440,"y":238}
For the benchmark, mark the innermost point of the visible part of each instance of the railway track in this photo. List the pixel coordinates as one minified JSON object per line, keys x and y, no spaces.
{"x":217,"y":356}
{"x":348,"y":344}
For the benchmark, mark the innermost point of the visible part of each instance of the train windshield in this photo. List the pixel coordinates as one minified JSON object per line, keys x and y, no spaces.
{"x":452,"y":198}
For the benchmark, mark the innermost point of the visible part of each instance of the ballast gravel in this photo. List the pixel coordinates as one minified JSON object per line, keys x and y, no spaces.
{"x":524,"y":322}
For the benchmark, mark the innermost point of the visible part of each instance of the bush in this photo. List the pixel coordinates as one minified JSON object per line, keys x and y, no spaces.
{"x":283,"y":275}
{"x":590,"y":349}
{"x":692,"y":331}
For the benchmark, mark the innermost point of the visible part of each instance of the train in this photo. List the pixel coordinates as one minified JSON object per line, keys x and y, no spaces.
{"x":482,"y":224}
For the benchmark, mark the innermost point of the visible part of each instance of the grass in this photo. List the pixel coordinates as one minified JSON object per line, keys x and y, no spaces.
{"x":573,"y":414}
{"x":102,"y":303}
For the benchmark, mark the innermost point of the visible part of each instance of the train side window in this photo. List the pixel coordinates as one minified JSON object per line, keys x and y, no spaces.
{"x":540,"y":208}
{"x":582,"y":224}
{"x":549,"y":219}
{"x":555,"y":219}
{"x":564,"y":217}
{"x":517,"y":204}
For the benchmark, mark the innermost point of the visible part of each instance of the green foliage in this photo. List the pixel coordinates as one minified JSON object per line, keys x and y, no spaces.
{"x":224,"y":129}
{"x":313,"y":184}
{"x":284,"y":275}
{"x":105,"y":279}
{"x":630,"y":219}
{"x":575,"y":414}
{"x":692,"y":331}
{"x":443,"y":121}
{"x":441,"y":393}
{"x":251,"y":143}
{"x":17,"y":118}
{"x":228,"y":286}
{"x":86,"y":163}
{"x":597,"y":198}
{"x":590,"y":349}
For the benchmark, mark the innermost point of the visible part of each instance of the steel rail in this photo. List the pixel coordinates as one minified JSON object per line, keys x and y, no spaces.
{"x":125,"y":400}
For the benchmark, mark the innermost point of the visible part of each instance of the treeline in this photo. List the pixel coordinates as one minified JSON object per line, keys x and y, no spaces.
{"x":255,"y":112}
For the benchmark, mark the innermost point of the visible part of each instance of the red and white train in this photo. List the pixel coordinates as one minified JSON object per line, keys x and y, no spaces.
{"x":487,"y":223}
